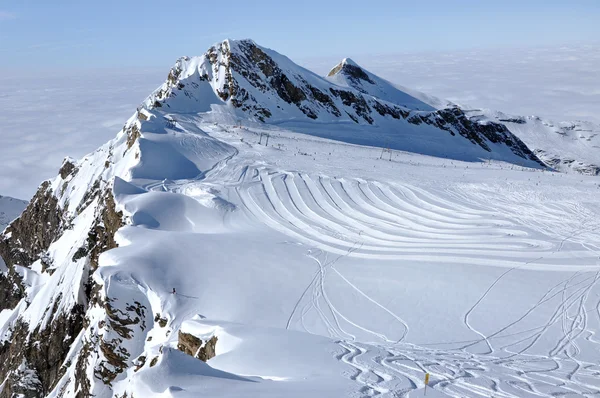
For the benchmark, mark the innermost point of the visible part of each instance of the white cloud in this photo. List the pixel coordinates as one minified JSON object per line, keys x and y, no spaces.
{"x":555,"y":83}
{"x":44,"y":118}
{"x":6,"y":15}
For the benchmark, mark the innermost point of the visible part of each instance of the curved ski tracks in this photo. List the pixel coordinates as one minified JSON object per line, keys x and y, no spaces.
{"x":342,"y":217}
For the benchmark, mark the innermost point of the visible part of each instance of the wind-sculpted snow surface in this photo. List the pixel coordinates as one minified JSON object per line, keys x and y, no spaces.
{"x":300,"y":266}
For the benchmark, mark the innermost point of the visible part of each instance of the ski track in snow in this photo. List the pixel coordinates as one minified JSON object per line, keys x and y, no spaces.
{"x":342,"y":217}
{"x":396,"y":371}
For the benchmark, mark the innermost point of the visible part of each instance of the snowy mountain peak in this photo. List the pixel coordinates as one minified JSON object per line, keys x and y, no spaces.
{"x":237,"y":80}
{"x":349,"y":61}
{"x":351,"y":69}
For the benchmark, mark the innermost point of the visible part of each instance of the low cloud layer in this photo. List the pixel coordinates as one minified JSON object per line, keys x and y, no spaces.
{"x":555,"y":83}
{"x":45,"y":118}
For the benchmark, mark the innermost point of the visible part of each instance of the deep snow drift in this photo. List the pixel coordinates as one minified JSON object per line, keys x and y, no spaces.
{"x":322,"y":267}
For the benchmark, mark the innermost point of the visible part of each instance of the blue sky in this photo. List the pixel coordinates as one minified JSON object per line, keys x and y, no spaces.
{"x":85,"y":34}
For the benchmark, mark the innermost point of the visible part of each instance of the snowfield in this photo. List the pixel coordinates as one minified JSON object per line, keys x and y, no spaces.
{"x":483,"y":275}
{"x":325,"y":264}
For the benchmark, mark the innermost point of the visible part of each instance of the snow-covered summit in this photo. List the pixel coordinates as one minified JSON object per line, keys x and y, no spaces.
{"x":349,"y":74}
{"x":239,"y":80}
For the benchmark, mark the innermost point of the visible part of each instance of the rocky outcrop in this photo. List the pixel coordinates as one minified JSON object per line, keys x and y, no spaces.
{"x":102,"y":235}
{"x":133,"y":134}
{"x":195,"y":347}
{"x":558,"y":163}
{"x":11,"y":289}
{"x":352,"y":71}
{"x":40,"y":351}
{"x":32,"y":233}
{"x":43,"y":352}
{"x":454,"y":120}
{"x":68,"y":168}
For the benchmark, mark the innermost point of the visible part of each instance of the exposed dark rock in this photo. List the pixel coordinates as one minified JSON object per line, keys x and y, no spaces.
{"x":80,"y":253}
{"x":393,"y":111}
{"x":11,"y":289}
{"x":31,"y":234}
{"x":357,"y":102}
{"x":102,"y":235}
{"x":67,"y":168}
{"x":120,"y":322}
{"x":160,"y":320}
{"x":133,"y":133}
{"x":195,"y":347}
{"x":324,"y":100}
{"x":44,"y":350}
{"x":454,"y":120}
{"x":558,"y":163}
{"x":82,"y":384}
{"x":116,"y":357}
{"x":142,"y":116}
{"x":513,"y":120}
{"x":23,"y":383}
{"x":353,"y":72}
{"x":140,"y":362}
{"x":286,"y":89}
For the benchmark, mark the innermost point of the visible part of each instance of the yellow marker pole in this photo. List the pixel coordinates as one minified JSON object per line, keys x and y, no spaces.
{"x":426,"y":383}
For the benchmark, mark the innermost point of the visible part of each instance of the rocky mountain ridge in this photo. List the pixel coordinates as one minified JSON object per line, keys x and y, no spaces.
{"x":261,"y":85}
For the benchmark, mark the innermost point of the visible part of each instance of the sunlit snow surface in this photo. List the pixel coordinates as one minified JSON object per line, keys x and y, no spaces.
{"x":482,"y":274}
{"x":327,"y":268}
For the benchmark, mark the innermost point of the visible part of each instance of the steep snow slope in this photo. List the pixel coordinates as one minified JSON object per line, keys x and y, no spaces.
{"x":301,"y":267}
{"x":348,"y":73}
{"x":10,"y":208}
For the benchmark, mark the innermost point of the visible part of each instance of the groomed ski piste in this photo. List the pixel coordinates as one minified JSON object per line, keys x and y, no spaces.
{"x":327,"y":268}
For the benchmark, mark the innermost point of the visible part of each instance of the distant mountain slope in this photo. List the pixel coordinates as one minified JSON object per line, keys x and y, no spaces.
{"x":10,"y":208}
{"x":347,"y":73}
{"x":239,"y":80}
{"x":564,"y":146}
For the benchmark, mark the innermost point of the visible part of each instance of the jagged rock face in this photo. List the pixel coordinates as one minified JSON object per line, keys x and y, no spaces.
{"x":43,"y":351}
{"x":11,"y":289}
{"x":559,"y":163}
{"x":195,"y":347}
{"x":563,"y":146}
{"x":39,"y":351}
{"x":241,"y":71}
{"x":454,"y":120}
{"x":32,"y":233}
{"x":68,"y":168}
